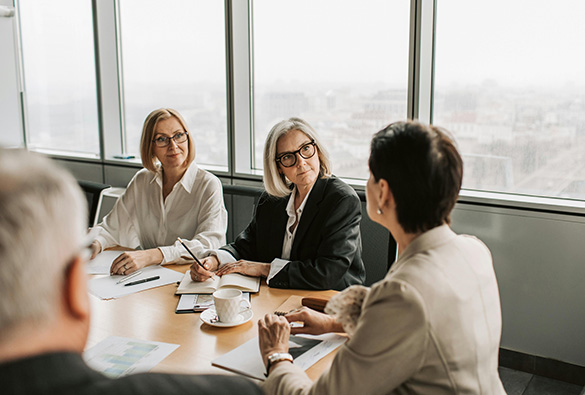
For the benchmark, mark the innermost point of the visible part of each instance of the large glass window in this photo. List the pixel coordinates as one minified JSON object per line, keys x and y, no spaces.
{"x":59,"y":74}
{"x":342,"y":66}
{"x":173,"y":55}
{"x":510,"y":85}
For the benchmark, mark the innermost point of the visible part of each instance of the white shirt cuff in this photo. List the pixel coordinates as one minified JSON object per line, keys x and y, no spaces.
{"x":276,"y":266}
{"x":223,"y":257}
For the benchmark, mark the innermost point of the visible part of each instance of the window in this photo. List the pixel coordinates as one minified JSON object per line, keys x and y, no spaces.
{"x":173,"y":55}
{"x":342,"y":66}
{"x":60,"y":76}
{"x":509,"y":84}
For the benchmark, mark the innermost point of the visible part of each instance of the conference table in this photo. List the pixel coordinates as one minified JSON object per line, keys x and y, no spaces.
{"x":150,"y":315}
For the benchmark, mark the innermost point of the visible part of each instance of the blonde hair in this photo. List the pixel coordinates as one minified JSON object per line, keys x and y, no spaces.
{"x":276,"y":183}
{"x":148,"y":131}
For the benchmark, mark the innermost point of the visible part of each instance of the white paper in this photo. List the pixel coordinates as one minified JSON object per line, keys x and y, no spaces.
{"x":305,"y":349}
{"x":120,"y":356}
{"x":106,"y":287}
{"x":102,"y":263}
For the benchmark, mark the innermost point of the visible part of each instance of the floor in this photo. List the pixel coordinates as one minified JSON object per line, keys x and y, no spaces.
{"x":522,"y":383}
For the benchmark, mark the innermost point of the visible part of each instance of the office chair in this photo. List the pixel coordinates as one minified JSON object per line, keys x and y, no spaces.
{"x":93,"y":192}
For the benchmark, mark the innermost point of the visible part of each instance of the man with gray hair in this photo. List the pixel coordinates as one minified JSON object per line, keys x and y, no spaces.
{"x":44,"y":303}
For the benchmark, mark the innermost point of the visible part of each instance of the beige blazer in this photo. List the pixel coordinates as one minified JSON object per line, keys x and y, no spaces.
{"x":431,"y":326}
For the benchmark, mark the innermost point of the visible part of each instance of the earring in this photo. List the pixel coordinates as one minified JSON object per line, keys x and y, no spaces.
{"x":379,"y":211}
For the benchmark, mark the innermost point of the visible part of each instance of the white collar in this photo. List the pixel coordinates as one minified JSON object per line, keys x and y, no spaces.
{"x":290,"y":207}
{"x":187,"y":181}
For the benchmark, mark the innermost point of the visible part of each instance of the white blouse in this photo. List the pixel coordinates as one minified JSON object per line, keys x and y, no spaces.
{"x":194,"y":211}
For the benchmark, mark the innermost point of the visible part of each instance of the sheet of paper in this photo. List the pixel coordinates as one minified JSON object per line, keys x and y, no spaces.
{"x":106,"y":287}
{"x":305,"y":349}
{"x":102,"y":262}
{"x":120,"y":356}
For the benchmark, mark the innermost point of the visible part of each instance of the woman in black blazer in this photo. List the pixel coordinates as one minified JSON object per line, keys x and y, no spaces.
{"x":305,"y":230}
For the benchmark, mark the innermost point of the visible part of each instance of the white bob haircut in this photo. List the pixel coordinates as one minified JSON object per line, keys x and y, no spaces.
{"x":275,"y":183}
{"x":44,"y":219}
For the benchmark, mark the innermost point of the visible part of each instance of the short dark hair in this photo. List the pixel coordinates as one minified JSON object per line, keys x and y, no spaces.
{"x":423,"y":169}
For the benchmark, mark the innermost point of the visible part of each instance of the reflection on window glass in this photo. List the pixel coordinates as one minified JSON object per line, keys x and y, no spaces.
{"x":173,"y":56}
{"x":342,"y":66}
{"x":511,"y":87}
{"x":59,"y":74}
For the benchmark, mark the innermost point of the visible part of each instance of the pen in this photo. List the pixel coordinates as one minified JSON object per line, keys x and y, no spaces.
{"x":128,"y":277}
{"x":142,"y":281}
{"x":190,"y":253}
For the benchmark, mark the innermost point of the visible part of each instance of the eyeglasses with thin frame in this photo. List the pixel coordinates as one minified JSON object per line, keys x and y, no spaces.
{"x":289,"y":159}
{"x":163,"y":141}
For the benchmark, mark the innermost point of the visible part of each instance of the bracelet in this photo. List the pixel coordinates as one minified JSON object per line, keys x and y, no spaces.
{"x":277,"y":357}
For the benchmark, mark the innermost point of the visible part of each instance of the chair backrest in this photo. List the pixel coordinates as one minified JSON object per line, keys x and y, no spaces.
{"x":378,"y":246}
{"x":94,"y":193}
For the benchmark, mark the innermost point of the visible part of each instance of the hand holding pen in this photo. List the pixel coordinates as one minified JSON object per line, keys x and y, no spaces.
{"x":198,"y":270}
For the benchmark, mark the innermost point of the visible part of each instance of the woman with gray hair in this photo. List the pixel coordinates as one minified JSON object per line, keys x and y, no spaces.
{"x":305,"y":231}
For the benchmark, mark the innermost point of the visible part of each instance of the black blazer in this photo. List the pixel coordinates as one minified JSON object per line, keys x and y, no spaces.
{"x":326,"y":252}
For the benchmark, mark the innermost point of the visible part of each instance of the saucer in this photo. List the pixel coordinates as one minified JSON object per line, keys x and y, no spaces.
{"x":209,"y":316}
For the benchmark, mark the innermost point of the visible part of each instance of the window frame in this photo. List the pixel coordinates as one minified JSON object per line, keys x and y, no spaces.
{"x":240,"y":99}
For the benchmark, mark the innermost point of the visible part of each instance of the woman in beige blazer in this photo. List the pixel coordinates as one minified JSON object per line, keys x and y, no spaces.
{"x":433,"y":324}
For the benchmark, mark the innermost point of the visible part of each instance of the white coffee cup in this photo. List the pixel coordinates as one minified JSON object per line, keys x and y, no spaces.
{"x":228,"y":304}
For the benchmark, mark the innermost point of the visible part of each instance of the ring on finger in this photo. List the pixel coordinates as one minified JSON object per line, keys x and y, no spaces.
{"x":125,"y":268}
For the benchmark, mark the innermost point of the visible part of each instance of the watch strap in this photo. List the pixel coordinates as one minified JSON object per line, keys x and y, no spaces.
{"x":277,"y":357}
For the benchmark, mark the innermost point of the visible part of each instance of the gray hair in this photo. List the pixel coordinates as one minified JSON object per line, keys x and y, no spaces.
{"x":43,"y":217}
{"x":276,"y":183}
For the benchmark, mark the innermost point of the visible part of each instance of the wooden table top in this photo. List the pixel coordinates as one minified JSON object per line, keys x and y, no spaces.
{"x":150,"y":315}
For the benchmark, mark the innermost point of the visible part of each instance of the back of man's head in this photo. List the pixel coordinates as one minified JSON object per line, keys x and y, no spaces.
{"x":42,"y":214}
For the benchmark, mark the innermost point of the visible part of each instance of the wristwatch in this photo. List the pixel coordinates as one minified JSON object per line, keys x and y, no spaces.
{"x":277,"y":357}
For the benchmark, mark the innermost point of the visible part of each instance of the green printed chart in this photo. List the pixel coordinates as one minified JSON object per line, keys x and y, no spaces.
{"x":120,"y":356}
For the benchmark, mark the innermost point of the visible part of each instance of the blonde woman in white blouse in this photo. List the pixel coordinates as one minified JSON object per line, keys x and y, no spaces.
{"x":171,"y":197}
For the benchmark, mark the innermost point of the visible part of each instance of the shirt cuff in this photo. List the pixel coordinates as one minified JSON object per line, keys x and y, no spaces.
{"x":170,"y":255}
{"x":223,"y":257}
{"x":103,"y":242}
{"x":275,"y":266}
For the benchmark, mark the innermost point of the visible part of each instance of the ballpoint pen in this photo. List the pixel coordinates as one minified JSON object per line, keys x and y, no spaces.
{"x":142,"y":281}
{"x":128,"y":277}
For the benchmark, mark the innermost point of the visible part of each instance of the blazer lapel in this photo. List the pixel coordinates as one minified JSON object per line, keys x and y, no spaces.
{"x":311,"y":210}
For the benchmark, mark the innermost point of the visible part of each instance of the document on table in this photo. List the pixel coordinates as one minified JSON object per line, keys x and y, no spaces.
{"x":107,"y":288}
{"x":102,"y":262}
{"x":305,"y":349}
{"x":120,"y":356}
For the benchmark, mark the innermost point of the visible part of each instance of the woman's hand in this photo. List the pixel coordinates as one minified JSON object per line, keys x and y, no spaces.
{"x":273,"y":334}
{"x":249,"y":268}
{"x":95,"y":249}
{"x":211,"y":263}
{"x":315,"y":323}
{"x":130,"y":261}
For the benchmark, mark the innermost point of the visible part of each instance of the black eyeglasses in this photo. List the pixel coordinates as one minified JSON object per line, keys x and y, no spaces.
{"x":163,"y":141}
{"x":289,"y":159}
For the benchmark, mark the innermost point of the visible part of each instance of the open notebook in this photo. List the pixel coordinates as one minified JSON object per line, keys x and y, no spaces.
{"x":232,"y":280}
